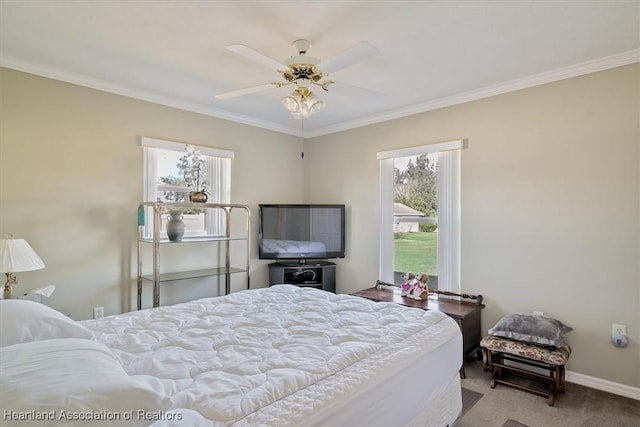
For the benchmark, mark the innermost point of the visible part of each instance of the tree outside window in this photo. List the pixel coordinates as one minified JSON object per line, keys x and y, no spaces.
{"x":172,"y":170}
{"x":191,"y":175}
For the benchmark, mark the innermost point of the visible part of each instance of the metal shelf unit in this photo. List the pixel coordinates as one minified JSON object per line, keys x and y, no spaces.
{"x":158,"y":209}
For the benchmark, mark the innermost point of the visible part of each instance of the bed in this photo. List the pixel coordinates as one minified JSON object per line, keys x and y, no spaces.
{"x":280,"y":356}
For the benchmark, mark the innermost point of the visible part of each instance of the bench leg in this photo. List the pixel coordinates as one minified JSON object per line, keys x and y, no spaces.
{"x":486,"y":360}
{"x":552,"y":382}
{"x":558,"y":377}
{"x":500,"y":361}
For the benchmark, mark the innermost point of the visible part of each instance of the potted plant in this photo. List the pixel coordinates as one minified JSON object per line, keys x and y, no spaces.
{"x":194,"y":173}
{"x":192,"y":176}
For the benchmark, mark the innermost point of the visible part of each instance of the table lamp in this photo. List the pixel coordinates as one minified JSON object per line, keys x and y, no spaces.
{"x":15,"y":256}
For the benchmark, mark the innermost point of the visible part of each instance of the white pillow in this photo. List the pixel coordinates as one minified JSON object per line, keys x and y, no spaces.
{"x":74,"y":381}
{"x":25,"y":321}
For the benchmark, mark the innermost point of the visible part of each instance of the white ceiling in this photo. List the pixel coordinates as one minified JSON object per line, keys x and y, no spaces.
{"x":431,"y":53}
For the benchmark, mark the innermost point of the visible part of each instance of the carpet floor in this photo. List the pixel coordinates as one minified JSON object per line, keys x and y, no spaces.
{"x":513,"y":423}
{"x":505,"y":406}
{"x":470,"y":398}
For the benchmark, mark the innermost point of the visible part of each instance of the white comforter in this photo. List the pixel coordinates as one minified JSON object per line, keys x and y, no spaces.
{"x":270,"y":356}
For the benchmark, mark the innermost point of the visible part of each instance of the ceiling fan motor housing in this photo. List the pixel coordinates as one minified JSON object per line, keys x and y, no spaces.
{"x":301,"y":46}
{"x":302,"y":71}
{"x":302,"y":66}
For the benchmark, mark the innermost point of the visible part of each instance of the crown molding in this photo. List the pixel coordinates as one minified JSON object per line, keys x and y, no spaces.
{"x":601,"y":64}
{"x":588,"y":67}
{"x":101,"y":85}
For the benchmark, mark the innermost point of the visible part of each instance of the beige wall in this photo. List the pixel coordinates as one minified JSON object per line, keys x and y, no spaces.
{"x":550,"y":196}
{"x":71,"y":181}
{"x":550,"y":205}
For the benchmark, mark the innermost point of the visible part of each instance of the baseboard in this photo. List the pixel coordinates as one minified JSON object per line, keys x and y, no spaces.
{"x":603,"y":385}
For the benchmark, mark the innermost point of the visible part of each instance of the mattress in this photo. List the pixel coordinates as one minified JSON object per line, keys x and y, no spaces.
{"x":286,"y":355}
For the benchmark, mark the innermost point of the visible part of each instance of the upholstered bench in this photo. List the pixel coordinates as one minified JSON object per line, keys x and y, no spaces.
{"x":497,"y":350}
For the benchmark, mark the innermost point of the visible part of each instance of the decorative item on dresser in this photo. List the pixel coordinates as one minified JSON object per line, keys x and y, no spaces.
{"x":16,"y":256}
{"x":465,"y":313}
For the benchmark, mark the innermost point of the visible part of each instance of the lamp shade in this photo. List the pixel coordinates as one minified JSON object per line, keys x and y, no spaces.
{"x":16,"y":255}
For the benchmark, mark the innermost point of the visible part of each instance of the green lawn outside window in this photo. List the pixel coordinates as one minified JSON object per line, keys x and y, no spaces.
{"x":416,"y":252}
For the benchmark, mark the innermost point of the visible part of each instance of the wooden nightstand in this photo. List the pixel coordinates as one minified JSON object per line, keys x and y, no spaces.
{"x":466,"y":314}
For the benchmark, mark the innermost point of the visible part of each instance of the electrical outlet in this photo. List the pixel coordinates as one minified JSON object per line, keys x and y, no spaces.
{"x":618,"y":329}
{"x":98,"y":312}
{"x":538,"y":313}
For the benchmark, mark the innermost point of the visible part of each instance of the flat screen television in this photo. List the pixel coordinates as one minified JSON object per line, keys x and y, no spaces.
{"x":300,"y":232}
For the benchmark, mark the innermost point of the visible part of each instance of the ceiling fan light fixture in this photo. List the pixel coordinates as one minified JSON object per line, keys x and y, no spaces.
{"x":292,"y":102}
{"x":314,"y":103}
{"x":302,"y":103}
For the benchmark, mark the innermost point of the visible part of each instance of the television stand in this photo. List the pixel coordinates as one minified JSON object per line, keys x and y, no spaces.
{"x":315,"y":274}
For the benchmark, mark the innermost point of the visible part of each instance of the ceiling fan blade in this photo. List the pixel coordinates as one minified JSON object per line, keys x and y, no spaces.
{"x":254,"y":55}
{"x":347,"y":57}
{"x":246,"y":91}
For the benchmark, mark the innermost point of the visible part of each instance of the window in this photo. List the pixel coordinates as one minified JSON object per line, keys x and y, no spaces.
{"x":436,"y":213}
{"x":165,"y":181}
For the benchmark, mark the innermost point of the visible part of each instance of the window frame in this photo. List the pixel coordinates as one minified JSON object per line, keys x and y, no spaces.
{"x":218,"y":172}
{"x":449,"y":210}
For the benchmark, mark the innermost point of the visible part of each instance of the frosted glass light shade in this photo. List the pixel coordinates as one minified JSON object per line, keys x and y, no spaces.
{"x":314,"y":104}
{"x":302,"y":103}
{"x":292,"y":102}
{"x":16,"y":255}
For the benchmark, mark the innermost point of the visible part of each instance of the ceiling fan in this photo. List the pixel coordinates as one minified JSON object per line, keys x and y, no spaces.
{"x":303,"y":71}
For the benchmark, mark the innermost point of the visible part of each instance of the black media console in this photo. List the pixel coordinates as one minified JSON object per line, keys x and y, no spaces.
{"x":316,"y":274}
